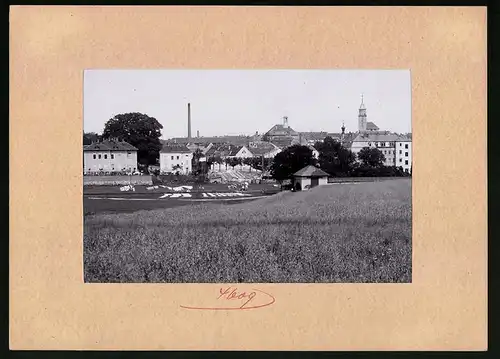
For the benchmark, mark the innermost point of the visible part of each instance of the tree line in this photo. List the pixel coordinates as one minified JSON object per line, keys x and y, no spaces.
{"x":334,"y":159}
{"x":144,"y":132}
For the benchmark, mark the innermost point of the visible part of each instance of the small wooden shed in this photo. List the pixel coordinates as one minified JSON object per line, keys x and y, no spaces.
{"x":309,"y":177}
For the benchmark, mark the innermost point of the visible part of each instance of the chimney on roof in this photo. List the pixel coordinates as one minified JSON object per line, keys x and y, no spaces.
{"x":198,"y":133}
{"x":189,"y":121}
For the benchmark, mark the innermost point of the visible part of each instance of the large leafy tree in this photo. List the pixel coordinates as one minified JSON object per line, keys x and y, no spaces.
{"x":257,"y":162}
{"x":290,"y":160}
{"x":234,"y":161}
{"x":195,"y":162}
{"x":334,"y":158}
{"x":372,"y":157}
{"x":140,"y":130}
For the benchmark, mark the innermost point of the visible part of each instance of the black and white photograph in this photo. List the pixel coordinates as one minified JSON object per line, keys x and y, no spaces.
{"x":247,"y":176}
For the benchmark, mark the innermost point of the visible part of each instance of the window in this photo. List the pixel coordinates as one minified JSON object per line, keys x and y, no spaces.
{"x":177,"y":157}
{"x":112,"y":156}
{"x":187,"y":155}
{"x":400,"y":145}
{"x":105,"y":157}
{"x":406,"y":146}
{"x":99,"y":156}
{"x":400,"y":160}
{"x":406,"y":162}
{"x":406,"y":154}
{"x":94,"y":156}
{"x":172,"y":157}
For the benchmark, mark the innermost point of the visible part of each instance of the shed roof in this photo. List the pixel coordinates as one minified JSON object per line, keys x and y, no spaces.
{"x":311,"y":171}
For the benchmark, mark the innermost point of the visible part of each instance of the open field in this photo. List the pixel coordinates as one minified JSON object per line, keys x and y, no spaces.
{"x":347,"y":233}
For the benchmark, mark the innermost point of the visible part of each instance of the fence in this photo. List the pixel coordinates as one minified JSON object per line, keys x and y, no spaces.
{"x":116,"y":180}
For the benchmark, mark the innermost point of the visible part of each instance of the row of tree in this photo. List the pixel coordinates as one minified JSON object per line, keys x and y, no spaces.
{"x":143,"y":132}
{"x":334,"y":159}
{"x":258,"y":163}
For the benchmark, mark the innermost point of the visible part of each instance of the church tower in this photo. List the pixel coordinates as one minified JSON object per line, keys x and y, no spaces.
{"x":342,"y":135}
{"x":362,"y":117}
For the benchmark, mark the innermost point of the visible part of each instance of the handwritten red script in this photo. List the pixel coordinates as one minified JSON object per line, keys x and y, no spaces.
{"x":231,"y":298}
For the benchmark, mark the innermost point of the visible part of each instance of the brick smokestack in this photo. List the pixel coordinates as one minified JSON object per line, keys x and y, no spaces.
{"x":189,"y":121}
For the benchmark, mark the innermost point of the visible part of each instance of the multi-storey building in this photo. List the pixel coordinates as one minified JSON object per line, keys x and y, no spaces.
{"x":109,"y":156}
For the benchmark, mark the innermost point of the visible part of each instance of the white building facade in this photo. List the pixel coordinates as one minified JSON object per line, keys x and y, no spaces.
{"x":109,"y":157}
{"x":385,"y":142}
{"x":175,"y":159}
{"x":404,"y":154}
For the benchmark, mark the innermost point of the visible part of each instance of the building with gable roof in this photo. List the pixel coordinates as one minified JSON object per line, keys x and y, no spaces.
{"x":309,"y":177}
{"x":282,"y":135}
{"x":384,"y":141}
{"x":239,"y":152}
{"x":109,"y":156}
{"x":395,"y":148}
{"x":175,"y":158}
{"x":263,"y":149}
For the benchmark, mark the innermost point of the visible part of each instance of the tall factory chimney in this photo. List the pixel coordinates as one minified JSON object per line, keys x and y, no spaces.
{"x":189,"y":121}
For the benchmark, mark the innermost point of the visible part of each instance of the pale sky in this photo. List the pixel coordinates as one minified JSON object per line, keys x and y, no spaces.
{"x":233,"y":102}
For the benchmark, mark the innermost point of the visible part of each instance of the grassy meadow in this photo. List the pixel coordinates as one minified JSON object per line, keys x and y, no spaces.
{"x":337,"y":233}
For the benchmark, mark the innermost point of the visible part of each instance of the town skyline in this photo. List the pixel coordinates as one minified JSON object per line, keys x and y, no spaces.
{"x":312,"y":100}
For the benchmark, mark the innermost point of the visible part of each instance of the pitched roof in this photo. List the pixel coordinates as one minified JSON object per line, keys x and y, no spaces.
{"x":314,"y":136}
{"x":233,"y":151}
{"x":404,"y":138}
{"x":221,"y":149}
{"x":235,"y":140}
{"x":110,"y":145}
{"x":282,"y":142}
{"x":376,"y":137}
{"x":311,"y":171}
{"x":371,"y":126}
{"x":280,"y":130}
{"x":260,"y":148}
{"x":175,"y":148}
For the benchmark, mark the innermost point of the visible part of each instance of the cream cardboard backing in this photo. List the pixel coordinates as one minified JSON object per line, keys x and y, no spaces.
{"x":444,"y":307}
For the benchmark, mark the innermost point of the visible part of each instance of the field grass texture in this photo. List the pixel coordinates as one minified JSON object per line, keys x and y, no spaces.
{"x":344,"y":233}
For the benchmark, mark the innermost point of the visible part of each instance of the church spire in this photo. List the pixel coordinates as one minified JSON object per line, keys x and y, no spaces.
{"x":362,"y":116}
{"x":342,"y":134}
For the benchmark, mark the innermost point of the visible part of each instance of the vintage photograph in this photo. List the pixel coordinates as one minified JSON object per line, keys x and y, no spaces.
{"x":247,"y":176}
